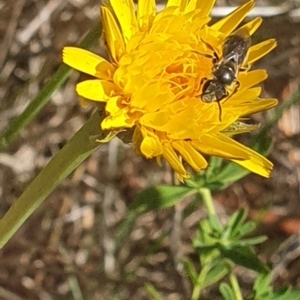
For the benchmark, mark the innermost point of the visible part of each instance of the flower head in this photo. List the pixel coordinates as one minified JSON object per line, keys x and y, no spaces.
{"x":152,"y":85}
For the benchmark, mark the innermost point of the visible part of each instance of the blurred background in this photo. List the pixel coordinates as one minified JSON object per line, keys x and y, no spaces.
{"x":66,"y":249}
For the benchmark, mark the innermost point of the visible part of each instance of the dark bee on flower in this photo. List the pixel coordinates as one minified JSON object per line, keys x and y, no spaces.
{"x":226,"y":69}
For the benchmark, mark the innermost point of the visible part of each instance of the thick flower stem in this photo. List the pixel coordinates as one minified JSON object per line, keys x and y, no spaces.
{"x":32,"y":110}
{"x":79,"y":147}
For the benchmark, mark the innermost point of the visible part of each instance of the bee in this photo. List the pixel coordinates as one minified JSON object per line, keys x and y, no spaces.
{"x":226,"y":69}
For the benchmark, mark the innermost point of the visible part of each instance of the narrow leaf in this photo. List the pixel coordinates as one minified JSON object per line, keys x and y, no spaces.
{"x":286,"y":294}
{"x":152,"y":292}
{"x":252,"y":241}
{"x":216,"y":273}
{"x":78,"y":148}
{"x":190,"y":270}
{"x":226,"y":291}
{"x":237,"y":220}
{"x":244,"y":256}
{"x":159,"y":197}
{"x":244,"y":229}
{"x":20,"y":122}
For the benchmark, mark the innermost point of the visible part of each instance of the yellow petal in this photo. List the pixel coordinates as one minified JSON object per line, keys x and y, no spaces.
{"x":170,"y":11}
{"x":118,"y":121}
{"x":125,"y":13}
{"x":152,"y":97}
{"x":87,"y":62}
{"x":151,"y":147}
{"x":232,"y":21}
{"x":113,"y":106}
{"x":251,"y":26}
{"x":257,"y":164}
{"x":243,"y":96}
{"x":250,"y":159}
{"x":204,"y":6}
{"x":96,"y":90}
{"x":260,"y":50}
{"x":152,"y":87}
{"x":113,"y":35}
{"x":177,"y":3}
{"x":250,"y":79}
{"x":215,"y":145}
{"x":145,"y":14}
{"x":172,"y":158}
{"x":190,"y":155}
{"x":259,"y":105}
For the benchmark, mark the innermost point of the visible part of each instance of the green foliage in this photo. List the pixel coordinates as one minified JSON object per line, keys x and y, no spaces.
{"x":229,"y":240}
{"x":226,"y":291}
{"x":220,"y":247}
{"x":262,"y":290}
{"x":152,"y":292}
{"x":160,"y":197}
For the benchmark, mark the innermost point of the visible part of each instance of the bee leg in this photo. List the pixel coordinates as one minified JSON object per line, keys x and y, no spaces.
{"x":245,"y":68}
{"x":220,"y":111}
{"x":215,"y":57}
{"x":203,"y":54}
{"x":203,"y":79}
{"x":202,"y":87}
{"x":237,"y":86}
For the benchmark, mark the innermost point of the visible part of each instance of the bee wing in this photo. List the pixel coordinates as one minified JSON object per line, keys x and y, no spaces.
{"x":236,"y":46}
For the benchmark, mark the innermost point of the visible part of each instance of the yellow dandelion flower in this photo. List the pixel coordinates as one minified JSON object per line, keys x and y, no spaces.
{"x":160,"y":62}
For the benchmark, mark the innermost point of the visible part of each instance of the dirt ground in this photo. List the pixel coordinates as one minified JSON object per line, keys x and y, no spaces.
{"x":65,"y":250}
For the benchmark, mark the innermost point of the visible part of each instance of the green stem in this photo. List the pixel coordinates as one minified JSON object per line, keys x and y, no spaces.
{"x":78,"y":148}
{"x":235,"y":286}
{"x":21,"y":121}
{"x":208,"y":201}
{"x":198,"y":286}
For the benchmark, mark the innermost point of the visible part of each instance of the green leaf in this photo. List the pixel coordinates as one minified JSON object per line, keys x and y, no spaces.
{"x":229,"y":174}
{"x":152,"y":292}
{"x":215,"y":164}
{"x":226,"y":291}
{"x":190,"y":270}
{"x":216,"y":273}
{"x":262,"y":287}
{"x":234,"y":223}
{"x":244,"y":256}
{"x":286,"y":294}
{"x":197,"y":181}
{"x":263,"y":290}
{"x":160,"y":197}
{"x":78,"y":148}
{"x":36,"y":105}
{"x":205,"y":235}
{"x":252,"y":241}
{"x":262,"y":143}
{"x":215,"y":224}
{"x":245,"y":229}
{"x":237,"y":220}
